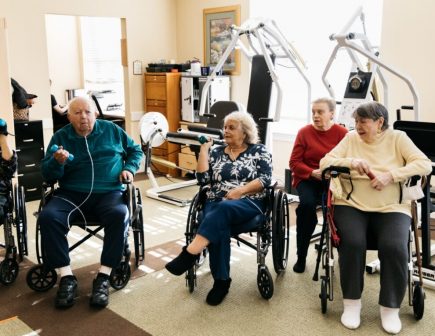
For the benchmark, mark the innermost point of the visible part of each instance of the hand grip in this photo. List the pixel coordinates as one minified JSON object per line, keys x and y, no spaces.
{"x":54,"y":148}
{"x":370,"y":175}
{"x":202,"y":139}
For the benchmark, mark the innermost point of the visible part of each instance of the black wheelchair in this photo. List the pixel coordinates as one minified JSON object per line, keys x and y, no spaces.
{"x":15,"y":215}
{"x":329,"y":239}
{"x":41,"y":279}
{"x":271,"y":228}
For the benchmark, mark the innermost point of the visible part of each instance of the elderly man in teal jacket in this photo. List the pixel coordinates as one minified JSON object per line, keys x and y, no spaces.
{"x":88,"y":158}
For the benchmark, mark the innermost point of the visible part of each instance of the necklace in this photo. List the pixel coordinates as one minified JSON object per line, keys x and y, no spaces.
{"x":238,"y":151}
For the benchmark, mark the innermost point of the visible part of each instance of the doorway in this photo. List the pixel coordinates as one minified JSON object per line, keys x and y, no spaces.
{"x":85,"y":57}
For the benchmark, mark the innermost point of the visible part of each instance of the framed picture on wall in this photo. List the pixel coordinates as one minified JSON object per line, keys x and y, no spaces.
{"x":217,"y":36}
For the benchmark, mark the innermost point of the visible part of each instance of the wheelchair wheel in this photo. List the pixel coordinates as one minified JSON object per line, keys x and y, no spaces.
{"x":323,"y":295}
{"x":418,"y":301}
{"x":190,"y":279}
{"x":119,"y":276}
{"x":192,"y":220}
{"x":20,"y":221}
{"x":280,"y":231}
{"x":41,"y":280}
{"x":138,"y":234}
{"x":8,"y":271}
{"x":265,"y":282}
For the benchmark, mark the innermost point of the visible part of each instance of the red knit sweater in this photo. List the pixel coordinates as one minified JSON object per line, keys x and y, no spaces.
{"x":310,"y":146}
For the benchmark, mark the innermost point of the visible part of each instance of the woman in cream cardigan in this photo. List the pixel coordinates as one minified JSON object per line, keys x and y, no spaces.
{"x":374,"y":148}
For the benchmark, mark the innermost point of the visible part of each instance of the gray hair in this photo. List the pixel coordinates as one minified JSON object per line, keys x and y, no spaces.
{"x":86,"y":100}
{"x":249,"y":126}
{"x":328,"y":101}
{"x":372,"y":110}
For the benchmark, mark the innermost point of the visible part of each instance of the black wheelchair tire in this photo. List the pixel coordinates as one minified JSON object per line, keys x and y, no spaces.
{"x":323,"y":295}
{"x":418,"y":302}
{"x":190,"y":279}
{"x":120,"y":276}
{"x":39,"y":279}
{"x":192,"y":225}
{"x":265,"y":282}
{"x":280,"y":232}
{"x":20,"y":221}
{"x":138,"y":234}
{"x":8,"y":271}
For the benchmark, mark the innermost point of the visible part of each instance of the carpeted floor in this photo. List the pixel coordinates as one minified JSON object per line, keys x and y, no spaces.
{"x":157,"y":303}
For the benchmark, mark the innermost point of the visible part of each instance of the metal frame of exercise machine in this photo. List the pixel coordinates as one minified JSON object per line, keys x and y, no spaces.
{"x":264,"y":38}
{"x":361,"y":78}
{"x":153,"y":129}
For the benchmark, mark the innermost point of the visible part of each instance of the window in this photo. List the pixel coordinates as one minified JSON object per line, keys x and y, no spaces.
{"x":309,"y":33}
{"x":101,"y":50}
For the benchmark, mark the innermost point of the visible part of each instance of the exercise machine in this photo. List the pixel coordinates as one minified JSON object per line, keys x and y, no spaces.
{"x":265,"y":44}
{"x":153,"y":128}
{"x":361,"y":82}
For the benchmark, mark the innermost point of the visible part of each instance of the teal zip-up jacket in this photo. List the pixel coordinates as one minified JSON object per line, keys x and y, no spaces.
{"x":111,"y":149}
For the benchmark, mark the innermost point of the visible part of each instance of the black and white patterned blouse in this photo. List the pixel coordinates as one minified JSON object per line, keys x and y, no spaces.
{"x":225,"y":174}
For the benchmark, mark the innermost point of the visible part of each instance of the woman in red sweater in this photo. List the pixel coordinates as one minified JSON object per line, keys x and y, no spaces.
{"x":312,"y":143}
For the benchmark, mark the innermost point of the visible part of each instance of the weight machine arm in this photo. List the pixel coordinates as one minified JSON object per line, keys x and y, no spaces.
{"x":262,"y":31}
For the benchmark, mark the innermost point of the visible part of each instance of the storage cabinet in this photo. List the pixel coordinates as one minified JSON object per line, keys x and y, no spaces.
{"x":162,"y":94}
{"x":191,"y":91}
{"x":29,"y":142}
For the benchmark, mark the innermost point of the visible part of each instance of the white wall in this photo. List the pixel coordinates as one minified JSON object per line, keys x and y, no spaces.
{"x":5,"y":83}
{"x":408,"y":45}
{"x":63,"y":49}
{"x":190,"y":38}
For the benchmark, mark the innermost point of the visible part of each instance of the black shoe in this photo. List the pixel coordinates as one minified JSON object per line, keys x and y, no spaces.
{"x":182,"y":263}
{"x":218,"y":292}
{"x":299,"y":267}
{"x":67,"y":292}
{"x":100,"y":291}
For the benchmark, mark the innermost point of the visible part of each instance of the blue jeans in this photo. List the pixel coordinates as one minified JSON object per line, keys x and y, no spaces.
{"x":110,"y":210}
{"x":221,"y":220}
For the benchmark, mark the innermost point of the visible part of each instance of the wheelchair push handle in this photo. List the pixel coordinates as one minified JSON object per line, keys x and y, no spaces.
{"x":371,"y":175}
{"x":54,"y":148}
{"x":334,"y":171}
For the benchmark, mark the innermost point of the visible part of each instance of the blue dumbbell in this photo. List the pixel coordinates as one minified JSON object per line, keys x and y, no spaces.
{"x":54,"y":149}
{"x":3,"y":127}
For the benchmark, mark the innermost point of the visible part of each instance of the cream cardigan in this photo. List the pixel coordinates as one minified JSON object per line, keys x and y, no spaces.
{"x":392,"y":151}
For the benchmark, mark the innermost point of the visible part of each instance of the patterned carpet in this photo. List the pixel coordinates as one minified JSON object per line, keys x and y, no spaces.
{"x":156,"y":303}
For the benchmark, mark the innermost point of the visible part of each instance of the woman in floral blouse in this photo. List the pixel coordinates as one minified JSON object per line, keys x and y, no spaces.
{"x":237,"y":173}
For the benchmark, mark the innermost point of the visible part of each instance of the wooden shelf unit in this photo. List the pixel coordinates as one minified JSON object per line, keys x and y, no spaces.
{"x":162,"y":94}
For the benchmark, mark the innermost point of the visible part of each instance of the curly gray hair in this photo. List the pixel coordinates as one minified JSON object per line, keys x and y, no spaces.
{"x":249,"y":126}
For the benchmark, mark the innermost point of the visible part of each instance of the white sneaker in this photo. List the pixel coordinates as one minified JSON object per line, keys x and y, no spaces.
{"x":390,"y":319}
{"x":351,"y":318}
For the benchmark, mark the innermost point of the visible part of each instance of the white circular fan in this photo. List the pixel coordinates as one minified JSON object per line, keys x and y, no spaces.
{"x":149,"y":123}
